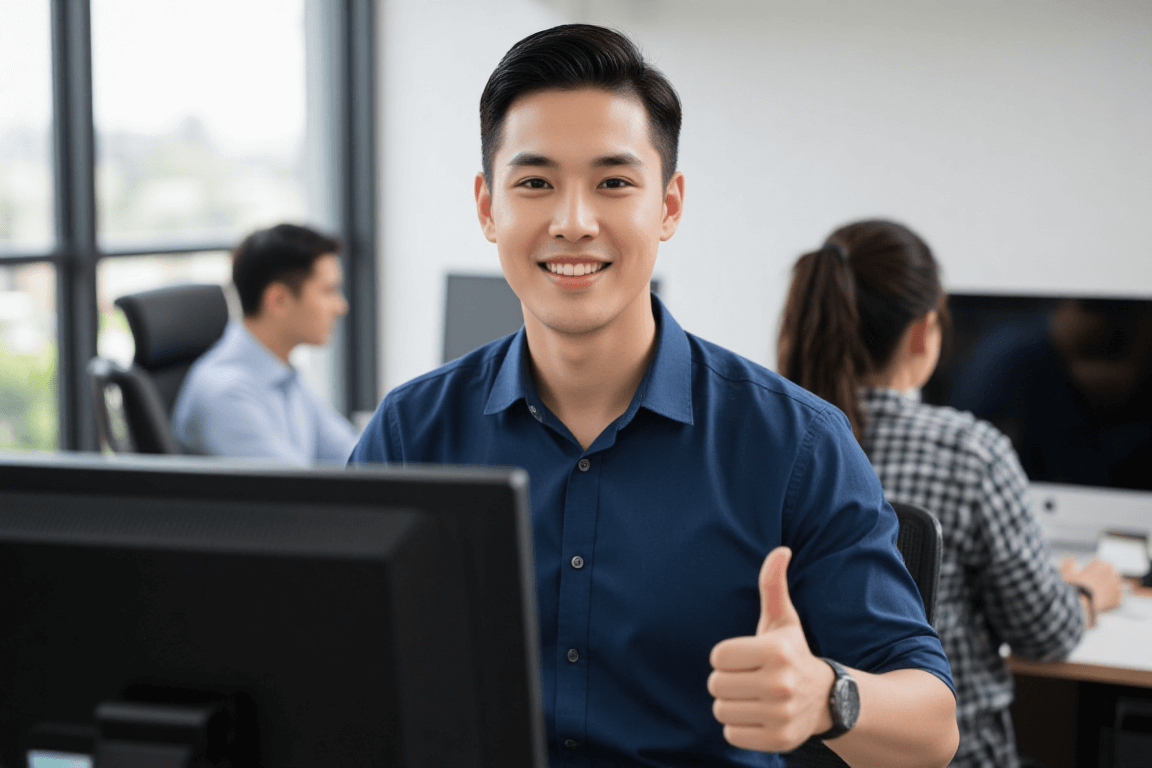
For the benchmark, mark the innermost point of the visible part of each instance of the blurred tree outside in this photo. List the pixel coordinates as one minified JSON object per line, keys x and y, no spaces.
{"x":28,"y":400}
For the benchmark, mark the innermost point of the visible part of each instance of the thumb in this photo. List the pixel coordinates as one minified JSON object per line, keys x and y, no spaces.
{"x":776,"y":608}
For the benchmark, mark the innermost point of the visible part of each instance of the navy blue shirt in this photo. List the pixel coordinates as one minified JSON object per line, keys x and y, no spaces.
{"x":649,"y":543}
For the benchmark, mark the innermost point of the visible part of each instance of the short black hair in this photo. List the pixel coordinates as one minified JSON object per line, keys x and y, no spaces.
{"x":573,"y":56}
{"x":284,"y":253}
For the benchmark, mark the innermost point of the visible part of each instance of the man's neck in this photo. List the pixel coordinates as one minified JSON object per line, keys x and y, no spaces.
{"x":267,"y":335}
{"x":588,"y":380}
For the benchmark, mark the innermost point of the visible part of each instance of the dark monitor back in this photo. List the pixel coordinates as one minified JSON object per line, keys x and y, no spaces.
{"x":377,"y":616}
{"x":479,"y":309}
{"x":1067,"y":378}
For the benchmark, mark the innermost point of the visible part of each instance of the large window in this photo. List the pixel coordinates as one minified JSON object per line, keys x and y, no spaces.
{"x":138,"y":143}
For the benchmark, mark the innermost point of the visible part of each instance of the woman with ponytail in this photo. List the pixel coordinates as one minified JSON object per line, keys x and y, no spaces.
{"x":863,"y":327}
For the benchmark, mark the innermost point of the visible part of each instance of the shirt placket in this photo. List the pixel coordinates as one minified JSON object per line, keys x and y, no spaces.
{"x":572,"y":652}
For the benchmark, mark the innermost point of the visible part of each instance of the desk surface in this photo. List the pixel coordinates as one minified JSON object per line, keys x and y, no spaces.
{"x":1117,"y":650}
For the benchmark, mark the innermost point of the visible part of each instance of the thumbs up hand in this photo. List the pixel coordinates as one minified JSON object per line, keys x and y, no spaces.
{"x":771,"y":692}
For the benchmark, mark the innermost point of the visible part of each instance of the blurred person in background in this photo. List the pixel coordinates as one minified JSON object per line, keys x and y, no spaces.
{"x":243,"y":397}
{"x":863,"y":326}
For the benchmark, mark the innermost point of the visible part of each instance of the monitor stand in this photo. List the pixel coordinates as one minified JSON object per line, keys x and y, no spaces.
{"x":133,"y":734}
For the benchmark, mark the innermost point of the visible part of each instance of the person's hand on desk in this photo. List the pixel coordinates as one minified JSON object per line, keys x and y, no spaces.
{"x":1104,"y":585}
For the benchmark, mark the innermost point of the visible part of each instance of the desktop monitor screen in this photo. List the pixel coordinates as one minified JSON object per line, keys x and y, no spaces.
{"x":248,"y":615}
{"x":1069,"y":380}
{"x":479,"y":309}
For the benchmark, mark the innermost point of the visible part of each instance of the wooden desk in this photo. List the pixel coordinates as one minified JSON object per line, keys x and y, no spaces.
{"x":1063,"y":710}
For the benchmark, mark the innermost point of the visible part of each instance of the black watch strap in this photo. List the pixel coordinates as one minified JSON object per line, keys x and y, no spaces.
{"x":843,"y":702}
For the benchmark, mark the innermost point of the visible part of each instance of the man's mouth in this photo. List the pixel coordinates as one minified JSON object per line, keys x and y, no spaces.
{"x":574,"y":269}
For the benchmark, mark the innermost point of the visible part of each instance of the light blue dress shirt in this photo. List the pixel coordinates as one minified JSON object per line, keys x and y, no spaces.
{"x":239,"y":399}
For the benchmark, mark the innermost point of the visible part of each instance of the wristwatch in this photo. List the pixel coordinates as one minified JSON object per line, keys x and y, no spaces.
{"x":843,"y":703}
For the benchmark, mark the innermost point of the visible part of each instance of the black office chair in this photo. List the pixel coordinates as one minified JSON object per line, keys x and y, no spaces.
{"x":171,"y":327}
{"x":129,"y":415}
{"x":920,"y":541}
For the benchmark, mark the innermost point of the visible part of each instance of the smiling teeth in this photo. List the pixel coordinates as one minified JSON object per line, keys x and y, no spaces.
{"x":576,"y":270}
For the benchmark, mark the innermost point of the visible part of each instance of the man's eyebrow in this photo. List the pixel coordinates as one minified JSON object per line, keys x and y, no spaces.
{"x":624,"y":158}
{"x":534,"y":160}
{"x":531,"y":159}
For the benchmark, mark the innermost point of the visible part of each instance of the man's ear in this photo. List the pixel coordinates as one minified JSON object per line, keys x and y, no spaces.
{"x":673,"y":206}
{"x":275,"y":298}
{"x":484,"y":207}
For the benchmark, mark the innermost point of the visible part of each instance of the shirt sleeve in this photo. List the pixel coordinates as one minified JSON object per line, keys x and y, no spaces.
{"x":335,"y":435}
{"x":856,"y":599}
{"x":237,"y":424}
{"x":375,"y":443}
{"x":1029,"y":604}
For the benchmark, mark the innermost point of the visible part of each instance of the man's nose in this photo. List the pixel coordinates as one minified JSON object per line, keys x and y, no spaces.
{"x":575,"y":216}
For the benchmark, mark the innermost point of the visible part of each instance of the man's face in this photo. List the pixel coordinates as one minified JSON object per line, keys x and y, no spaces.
{"x":577,"y":208}
{"x":311,"y":315}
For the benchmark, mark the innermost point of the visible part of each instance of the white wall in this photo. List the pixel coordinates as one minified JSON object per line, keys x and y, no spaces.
{"x":1015,"y":137}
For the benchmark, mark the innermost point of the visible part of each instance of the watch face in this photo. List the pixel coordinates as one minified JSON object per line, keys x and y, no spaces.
{"x":847,"y":702}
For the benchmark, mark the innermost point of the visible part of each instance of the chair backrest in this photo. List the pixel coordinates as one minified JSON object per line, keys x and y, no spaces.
{"x":920,"y":541}
{"x":129,"y":415}
{"x":172,"y":327}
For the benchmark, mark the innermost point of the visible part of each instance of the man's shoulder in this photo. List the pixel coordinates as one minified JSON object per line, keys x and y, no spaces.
{"x":733,"y":371}
{"x":473,"y":373}
{"x":217,"y":373}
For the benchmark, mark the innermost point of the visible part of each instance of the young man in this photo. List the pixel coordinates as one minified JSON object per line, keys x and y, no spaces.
{"x":710,"y":542}
{"x":242,"y":397}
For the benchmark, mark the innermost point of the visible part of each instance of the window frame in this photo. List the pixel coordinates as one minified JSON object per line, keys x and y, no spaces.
{"x":77,"y":253}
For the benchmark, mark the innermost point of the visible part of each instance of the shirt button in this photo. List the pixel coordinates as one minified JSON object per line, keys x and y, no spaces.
{"x":573,"y":655}
{"x":577,"y":562}
{"x":584,"y":465}
{"x":571,"y":743}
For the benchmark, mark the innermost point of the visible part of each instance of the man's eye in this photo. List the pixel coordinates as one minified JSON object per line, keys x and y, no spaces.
{"x":534,"y":184}
{"x":614,"y":184}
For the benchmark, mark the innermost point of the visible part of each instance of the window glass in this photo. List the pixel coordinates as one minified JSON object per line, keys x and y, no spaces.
{"x":200,"y":111}
{"x":116,"y":277}
{"x":28,"y":409}
{"x":26,"y":221}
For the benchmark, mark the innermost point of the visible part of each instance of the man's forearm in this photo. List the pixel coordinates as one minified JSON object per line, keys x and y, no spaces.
{"x":907,"y":719}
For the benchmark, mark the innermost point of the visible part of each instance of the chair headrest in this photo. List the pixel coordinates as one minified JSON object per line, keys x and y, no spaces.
{"x":174,"y":325}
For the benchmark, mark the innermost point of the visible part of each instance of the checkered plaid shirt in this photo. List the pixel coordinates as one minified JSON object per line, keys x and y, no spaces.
{"x":997,"y":581}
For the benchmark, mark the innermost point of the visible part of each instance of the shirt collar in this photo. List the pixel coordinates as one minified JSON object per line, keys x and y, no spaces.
{"x":260,"y":362}
{"x":666,"y":388}
{"x":883,"y":400}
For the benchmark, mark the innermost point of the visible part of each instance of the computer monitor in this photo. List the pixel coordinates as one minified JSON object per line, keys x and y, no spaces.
{"x":479,"y":309}
{"x":164,"y":611}
{"x":1069,"y":379}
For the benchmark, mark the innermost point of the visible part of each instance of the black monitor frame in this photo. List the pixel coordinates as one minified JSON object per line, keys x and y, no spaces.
{"x":241,"y":598}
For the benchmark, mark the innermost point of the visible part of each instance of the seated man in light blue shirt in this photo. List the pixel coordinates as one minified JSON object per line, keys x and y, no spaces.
{"x":242,"y":397}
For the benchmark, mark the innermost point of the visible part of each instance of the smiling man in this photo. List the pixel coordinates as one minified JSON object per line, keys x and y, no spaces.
{"x":716,"y":567}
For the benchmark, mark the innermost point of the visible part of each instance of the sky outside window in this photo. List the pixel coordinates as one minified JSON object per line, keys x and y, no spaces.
{"x":200,"y":109}
{"x":26,"y":220}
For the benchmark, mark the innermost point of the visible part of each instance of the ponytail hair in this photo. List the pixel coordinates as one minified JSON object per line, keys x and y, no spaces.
{"x":848,"y":306}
